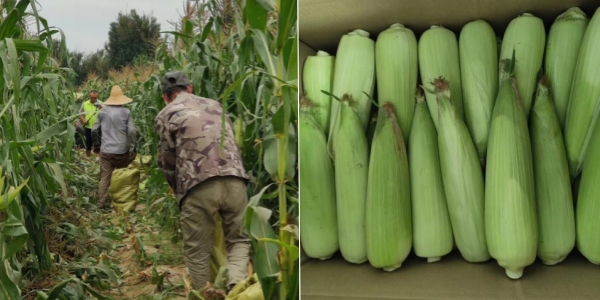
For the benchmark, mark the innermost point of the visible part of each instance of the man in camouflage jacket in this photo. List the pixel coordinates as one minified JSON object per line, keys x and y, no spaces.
{"x":205,"y":179}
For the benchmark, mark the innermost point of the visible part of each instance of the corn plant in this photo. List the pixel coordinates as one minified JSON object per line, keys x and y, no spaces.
{"x":36,"y":137}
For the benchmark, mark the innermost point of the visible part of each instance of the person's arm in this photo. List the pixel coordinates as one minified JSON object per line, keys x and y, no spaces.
{"x":167,"y":158}
{"x":81,"y":113}
{"x":131,"y":133}
{"x":96,"y":132}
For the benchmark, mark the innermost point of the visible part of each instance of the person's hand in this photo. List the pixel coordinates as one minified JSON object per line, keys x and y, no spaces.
{"x":133,"y":155}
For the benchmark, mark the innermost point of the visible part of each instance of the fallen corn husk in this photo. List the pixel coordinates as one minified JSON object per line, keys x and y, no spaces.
{"x":247,"y":289}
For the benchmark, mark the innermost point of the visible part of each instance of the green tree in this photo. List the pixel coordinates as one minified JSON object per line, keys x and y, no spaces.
{"x":130,"y":36}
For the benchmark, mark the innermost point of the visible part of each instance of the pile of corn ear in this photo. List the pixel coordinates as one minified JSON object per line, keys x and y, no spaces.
{"x":479,"y":144}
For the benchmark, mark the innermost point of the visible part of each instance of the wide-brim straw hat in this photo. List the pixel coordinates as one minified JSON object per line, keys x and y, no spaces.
{"x":117,"y":97}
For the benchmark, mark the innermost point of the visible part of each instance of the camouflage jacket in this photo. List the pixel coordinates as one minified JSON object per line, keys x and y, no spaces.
{"x":189,"y":130}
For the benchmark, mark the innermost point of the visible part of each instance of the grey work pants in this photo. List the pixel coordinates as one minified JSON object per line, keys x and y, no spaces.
{"x":226,"y":196}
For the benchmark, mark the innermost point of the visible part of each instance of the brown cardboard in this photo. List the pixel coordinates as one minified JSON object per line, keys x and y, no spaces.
{"x":321,"y":25}
{"x":451,"y":278}
{"x":323,"y":22}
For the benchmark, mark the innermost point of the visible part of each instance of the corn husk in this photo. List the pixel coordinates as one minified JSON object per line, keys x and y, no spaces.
{"x":562,"y":50}
{"x":396,"y":66}
{"x":479,"y":75}
{"x":318,"y":76}
{"x":588,"y":204}
{"x":584,"y":100}
{"x":319,"y":231}
{"x":526,"y":36}
{"x":388,"y":213}
{"x":351,"y":161}
{"x":556,"y":220}
{"x":510,"y":213}
{"x":432,"y":231}
{"x":462,"y":178}
{"x":354,"y":75}
{"x":438,"y":56}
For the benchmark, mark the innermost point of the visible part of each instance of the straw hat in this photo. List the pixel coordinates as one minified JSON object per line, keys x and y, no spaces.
{"x":117,"y":97}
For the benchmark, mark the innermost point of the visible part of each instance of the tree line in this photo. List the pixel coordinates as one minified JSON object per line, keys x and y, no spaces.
{"x":131,"y":37}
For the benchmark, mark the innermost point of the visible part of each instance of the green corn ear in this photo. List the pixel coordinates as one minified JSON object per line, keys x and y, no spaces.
{"x":479,"y":75}
{"x":584,"y":100}
{"x":510,"y":214}
{"x":564,"y":39}
{"x":396,"y":66}
{"x":432,"y":232}
{"x":318,"y":76}
{"x":351,"y":162}
{"x":556,"y":220}
{"x":438,"y":56}
{"x":588,"y":204}
{"x":319,"y":231}
{"x":354,"y":75}
{"x":462,"y":178}
{"x":526,"y":36}
{"x":388,"y":215}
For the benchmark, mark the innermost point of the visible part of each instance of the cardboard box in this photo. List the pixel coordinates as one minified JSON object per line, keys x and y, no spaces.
{"x":321,"y":25}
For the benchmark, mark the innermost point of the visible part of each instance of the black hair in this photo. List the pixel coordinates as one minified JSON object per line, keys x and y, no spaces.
{"x":174,"y":90}
{"x":93,"y":92}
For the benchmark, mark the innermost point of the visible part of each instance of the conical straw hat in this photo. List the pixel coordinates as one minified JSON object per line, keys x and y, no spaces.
{"x":117,"y":97}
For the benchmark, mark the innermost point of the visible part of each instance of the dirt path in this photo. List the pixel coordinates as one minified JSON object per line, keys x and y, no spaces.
{"x":150,"y":263}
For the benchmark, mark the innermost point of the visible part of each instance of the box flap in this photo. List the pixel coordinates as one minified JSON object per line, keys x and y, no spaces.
{"x":322,"y":23}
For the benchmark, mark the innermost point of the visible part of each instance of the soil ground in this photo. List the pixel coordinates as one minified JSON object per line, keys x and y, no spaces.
{"x":159,"y":253}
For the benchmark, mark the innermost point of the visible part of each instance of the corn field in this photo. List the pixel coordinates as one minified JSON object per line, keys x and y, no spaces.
{"x":245,"y":58}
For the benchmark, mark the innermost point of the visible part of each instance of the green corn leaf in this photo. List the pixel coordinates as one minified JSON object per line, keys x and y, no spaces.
{"x":267,"y":269}
{"x":287,"y":20}
{"x":8,"y":289}
{"x":256,"y":15}
{"x":292,"y":250}
{"x":13,"y":17}
{"x":261,"y":44}
{"x":29,"y":45}
{"x":18,"y":238}
{"x":54,"y":169}
{"x":267,"y":4}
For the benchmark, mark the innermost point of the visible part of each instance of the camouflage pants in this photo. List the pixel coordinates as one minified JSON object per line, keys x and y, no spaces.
{"x":227,"y":196}
{"x":108,"y":163}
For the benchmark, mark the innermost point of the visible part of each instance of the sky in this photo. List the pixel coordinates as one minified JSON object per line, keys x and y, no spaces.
{"x":85,"y":23}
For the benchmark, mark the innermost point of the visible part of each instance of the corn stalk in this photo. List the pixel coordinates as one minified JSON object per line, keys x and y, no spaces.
{"x":35,"y":136}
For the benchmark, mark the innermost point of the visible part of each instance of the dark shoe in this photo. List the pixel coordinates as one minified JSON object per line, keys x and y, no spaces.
{"x":103,"y":206}
{"x":229,"y":288}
